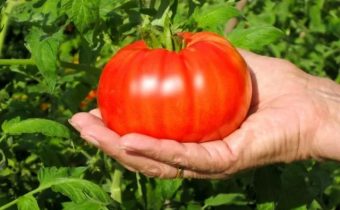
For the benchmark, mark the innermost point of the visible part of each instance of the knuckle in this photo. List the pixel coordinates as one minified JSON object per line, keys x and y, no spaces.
{"x":179,"y":160}
{"x":151,"y":171}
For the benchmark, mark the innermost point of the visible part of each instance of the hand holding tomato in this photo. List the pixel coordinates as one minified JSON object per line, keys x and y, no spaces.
{"x":293,"y":116}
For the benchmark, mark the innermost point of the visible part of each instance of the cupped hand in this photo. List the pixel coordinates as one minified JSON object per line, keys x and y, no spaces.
{"x":282,"y":126}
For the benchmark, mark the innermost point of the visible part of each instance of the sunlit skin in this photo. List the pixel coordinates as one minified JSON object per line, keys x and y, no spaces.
{"x":293,"y":116}
{"x":200,"y":93}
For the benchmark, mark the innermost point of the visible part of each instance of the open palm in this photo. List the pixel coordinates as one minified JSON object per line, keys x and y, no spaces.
{"x":282,"y":126}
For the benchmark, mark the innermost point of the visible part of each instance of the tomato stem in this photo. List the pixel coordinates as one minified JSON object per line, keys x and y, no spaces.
{"x":159,"y":33}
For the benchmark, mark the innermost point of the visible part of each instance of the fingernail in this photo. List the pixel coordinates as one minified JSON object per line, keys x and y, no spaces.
{"x":75,"y":125}
{"x":90,"y":139}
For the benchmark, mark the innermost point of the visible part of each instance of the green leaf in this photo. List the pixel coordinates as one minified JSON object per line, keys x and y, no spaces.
{"x":333,"y":192}
{"x":84,"y":14}
{"x":315,"y":205}
{"x":27,"y":203}
{"x":68,"y":182}
{"x":35,"y":125}
{"x":139,"y":190}
{"x":45,"y":13}
{"x":319,"y":179}
{"x":3,"y":96}
{"x":46,"y":176}
{"x":23,"y":12}
{"x":66,"y":6}
{"x":168,"y":188}
{"x":266,"y":206}
{"x":226,"y":199}
{"x":303,"y":207}
{"x":84,"y":205}
{"x":79,"y":190}
{"x":315,"y":13}
{"x":338,"y":79}
{"x":254,"y":38}
{"x":194,"y":206}
{"x":267,"y":183}
{"x":44,"y":48}
{"x":49,"y":12}
{"x":108,"y":6}
{"x":296,"y":190}
{"x":214,"y":18}
{"x":162,"y":191}
{"x":282,"y":10}
{"x":154,"y":198}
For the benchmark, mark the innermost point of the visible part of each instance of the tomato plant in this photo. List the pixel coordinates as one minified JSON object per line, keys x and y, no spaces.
{"x":200,"y":93}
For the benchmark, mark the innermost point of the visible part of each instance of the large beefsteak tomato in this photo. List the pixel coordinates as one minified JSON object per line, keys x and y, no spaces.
{"x":200,"y":93}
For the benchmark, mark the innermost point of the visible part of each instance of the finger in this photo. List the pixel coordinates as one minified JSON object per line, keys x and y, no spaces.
{"x":209,"y":157}
{"x":146,"y":166}
{"x":102,"y":137}
{"x":109,"y":142}
{"x":83,"y":119}
{"x":96,"y":113}
{"x":152,"y":168}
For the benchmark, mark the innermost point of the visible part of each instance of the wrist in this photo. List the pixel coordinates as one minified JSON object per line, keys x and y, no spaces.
{"x":326,"y":139}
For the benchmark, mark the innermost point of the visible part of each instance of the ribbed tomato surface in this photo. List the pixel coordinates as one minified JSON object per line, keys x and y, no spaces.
{"x":198,"y":94}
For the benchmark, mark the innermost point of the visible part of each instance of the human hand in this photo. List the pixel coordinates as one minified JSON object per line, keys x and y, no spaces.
{"x":293,"y":116}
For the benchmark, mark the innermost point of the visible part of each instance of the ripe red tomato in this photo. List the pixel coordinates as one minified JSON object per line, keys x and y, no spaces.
{"x":198,"y":94}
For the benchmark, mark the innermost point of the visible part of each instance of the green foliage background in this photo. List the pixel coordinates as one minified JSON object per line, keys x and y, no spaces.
{"x":51,"y":56}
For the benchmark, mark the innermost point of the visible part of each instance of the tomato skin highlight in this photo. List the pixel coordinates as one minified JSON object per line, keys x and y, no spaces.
{"x":198,"y":94}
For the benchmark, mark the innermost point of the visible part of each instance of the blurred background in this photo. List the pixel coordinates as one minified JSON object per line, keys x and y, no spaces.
{"x":51,"y":56}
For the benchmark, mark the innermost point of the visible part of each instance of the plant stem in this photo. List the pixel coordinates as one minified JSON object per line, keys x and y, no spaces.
{"x":3,"y":137}
{"x":144,"y":3}
{"x":116,"y":191}
{"x":30,"y":61}
{"x":7,"y":205}
{"x":77,"y":66}
{"x":37,"y":190}
{"x":13,"y":202}
{"x":167,"y":36}
{"x":9,"y":62}
{"x":233,"y":22}
{"x":5,"y":22}
{"x":3,"y":158}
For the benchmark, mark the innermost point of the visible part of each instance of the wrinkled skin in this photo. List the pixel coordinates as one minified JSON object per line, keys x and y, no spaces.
{"x":293,"y":116}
